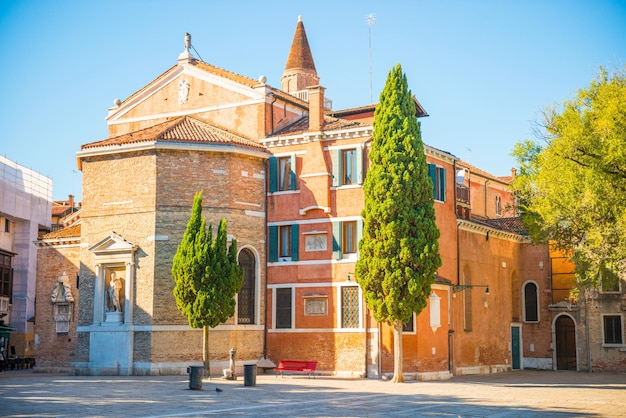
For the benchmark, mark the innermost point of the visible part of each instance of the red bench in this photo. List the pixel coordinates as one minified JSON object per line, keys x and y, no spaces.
{"x":296,"y":366}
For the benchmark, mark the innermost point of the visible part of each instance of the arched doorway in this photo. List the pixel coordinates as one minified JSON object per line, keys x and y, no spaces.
{"x":565,"y":335}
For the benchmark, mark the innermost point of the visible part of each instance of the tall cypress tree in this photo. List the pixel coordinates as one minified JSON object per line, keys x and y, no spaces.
{"x":399,"y":251}
{"x":207,"y":275}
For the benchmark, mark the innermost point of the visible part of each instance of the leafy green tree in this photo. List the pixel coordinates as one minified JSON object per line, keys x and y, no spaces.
{"x":399,"y":251}
{"x":572,"y":181}
{"x":207,"y":275}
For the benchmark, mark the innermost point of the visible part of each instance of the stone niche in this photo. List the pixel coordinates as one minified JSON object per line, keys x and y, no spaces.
{"x":63,"y":304}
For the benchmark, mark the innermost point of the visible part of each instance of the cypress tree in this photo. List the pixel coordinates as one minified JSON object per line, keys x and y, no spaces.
{"x":399,"y":250}
{"x":207,"y":275}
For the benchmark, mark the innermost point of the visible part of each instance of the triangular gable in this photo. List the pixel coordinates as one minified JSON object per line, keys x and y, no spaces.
{"x":242,"y":88}
{"x":113,"y":244}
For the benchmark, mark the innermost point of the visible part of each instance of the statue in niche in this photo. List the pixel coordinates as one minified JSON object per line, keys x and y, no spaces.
{"x":113,"y":292}
{"x":62,"y":292}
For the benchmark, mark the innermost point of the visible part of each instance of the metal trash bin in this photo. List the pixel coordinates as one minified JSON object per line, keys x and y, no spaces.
{"x":249,"y":374}
{"x":195,"y":377}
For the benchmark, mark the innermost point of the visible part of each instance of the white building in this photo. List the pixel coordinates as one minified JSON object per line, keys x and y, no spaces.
{"x":25,"y":209}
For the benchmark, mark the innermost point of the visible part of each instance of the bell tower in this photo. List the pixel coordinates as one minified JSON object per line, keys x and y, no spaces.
{"x":300,"y":71}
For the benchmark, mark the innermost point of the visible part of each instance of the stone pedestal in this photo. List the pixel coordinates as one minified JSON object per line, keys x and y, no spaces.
{"x":114,"y":317}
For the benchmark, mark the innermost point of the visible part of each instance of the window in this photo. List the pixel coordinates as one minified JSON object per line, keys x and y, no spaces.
{"x":247,"y":294}
{"x":438,"y":177}
{"x":349,"y":307}
{"x":347,"y":166}
{"x":409,"y":326}
{"x":613,"y":329}
{"x":498,"y":205}
{"x":609,"y":281}
{"x":531,"y":305}
{"x":349,"y":237}
{"x":282,"y":173}
{"x":7,"y":225}
{"x":6,"y":276}
{"x":346,"y":236}
{"x":283,"y":307}
{"x":283,"y":242}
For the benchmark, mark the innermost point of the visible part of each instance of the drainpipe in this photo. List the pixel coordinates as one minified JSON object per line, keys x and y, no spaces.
{"x":451,"y":362}
{"x":587,"y":334}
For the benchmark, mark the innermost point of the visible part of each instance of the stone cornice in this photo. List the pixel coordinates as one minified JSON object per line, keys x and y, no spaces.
{"x":469,"y":226}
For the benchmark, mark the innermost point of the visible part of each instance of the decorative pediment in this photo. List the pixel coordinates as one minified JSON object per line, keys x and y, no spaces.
{"x":113,"y":244}
{"x":207,"y":78}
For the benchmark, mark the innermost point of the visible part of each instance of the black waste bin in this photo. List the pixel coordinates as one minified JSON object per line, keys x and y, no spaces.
{"x":249,"y":374}
{"x":195,"y":377}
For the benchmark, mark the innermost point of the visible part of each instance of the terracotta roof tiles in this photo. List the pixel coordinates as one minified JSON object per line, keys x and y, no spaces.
{"x":330,"y":124}
{"x":69,"y":232}
{"x":185,"y":129}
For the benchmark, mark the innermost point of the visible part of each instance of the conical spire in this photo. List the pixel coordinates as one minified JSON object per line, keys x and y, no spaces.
{"x":300,"y":69}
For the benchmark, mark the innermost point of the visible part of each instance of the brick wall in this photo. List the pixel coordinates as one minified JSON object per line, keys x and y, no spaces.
{"x":55,"y":351}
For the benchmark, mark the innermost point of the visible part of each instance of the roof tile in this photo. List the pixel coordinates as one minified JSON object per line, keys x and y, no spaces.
{"x":181,"y":129}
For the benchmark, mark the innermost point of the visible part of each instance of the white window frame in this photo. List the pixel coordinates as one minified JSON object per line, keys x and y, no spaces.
{"x":621,"y":319}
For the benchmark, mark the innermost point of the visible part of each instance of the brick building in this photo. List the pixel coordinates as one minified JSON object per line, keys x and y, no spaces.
{"x":285,"y":170}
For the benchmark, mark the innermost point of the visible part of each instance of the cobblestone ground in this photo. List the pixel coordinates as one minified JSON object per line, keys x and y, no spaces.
{"x":514,"y":394}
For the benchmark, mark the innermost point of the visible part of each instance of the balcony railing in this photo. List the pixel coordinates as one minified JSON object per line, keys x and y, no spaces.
{"x":462,"y":193}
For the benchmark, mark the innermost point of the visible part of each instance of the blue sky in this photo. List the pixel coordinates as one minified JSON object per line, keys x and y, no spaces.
{"x":483,"y":70}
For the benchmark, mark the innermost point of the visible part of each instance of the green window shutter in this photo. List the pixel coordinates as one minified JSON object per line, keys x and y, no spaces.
{"x":432,"y":173}
{"x":442,"y":184}
{"x":294,"y":242}
{"x":337,"y":240}
{"x":273,"y":174}
{"x":336,"y":161}
{"x":359,"y":165}
{"x":273,"y":244}
{"x":292,"y":172}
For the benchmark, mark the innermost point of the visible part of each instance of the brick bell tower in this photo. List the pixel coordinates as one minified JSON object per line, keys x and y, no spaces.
{"x":300,"y":71}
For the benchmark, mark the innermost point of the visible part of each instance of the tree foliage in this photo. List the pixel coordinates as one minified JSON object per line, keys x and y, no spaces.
{"x":399,"y":251}
{"x":206,"y":272}
{"x":572,"y":185}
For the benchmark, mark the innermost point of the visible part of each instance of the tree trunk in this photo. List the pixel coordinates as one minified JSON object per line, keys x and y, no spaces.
{"x":398,"y":372}
{"x":205,"y":352}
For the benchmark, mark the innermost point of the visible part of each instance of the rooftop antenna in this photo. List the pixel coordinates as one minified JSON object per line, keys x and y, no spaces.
{"x":370,"y":21}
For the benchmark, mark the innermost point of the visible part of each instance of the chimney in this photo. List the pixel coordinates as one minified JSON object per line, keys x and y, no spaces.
{"x":316,"y":108}
{"x":513,"y":172}
{"x":70,"y":201}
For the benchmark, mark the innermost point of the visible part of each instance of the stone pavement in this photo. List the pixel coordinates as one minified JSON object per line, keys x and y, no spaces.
{"x":514,"y":394}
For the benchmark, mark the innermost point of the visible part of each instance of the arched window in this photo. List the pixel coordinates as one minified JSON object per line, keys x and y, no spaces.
{"x":531,"y":305}
{"x":247,"y":294}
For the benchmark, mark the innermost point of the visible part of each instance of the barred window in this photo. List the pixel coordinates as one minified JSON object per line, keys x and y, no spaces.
{"x":283,"y":307}
{"x":349,"y":307}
